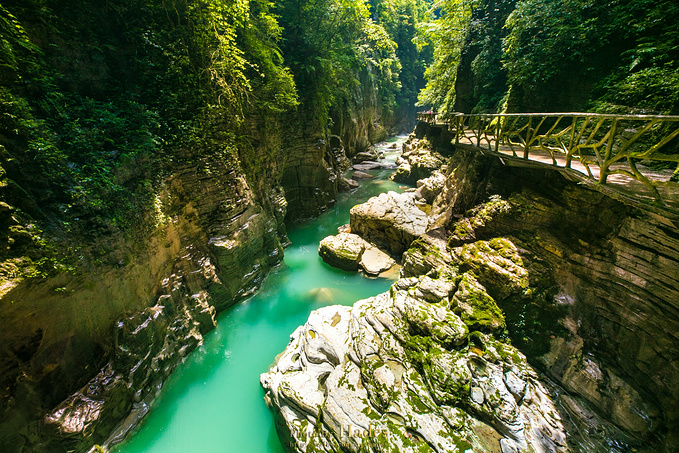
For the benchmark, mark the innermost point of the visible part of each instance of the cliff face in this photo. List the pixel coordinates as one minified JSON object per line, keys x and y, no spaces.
{"x":316,"y":156}
{"x":135,"y":305}
{"x":117,"y":328}
{"x":606,"y":329}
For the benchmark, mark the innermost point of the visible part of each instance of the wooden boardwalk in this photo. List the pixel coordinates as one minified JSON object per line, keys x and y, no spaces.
{"x":628,"y":157}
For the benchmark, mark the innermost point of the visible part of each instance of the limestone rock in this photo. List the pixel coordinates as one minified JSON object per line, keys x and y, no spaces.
{"x":418,"y":161}
{"x":391,"y":221}
{"x":427,"y":255}
{"x":369,"y":154}
{"x":349,"y":252}
{"x":477,"y":309}
{"x":358,"y":175}
{"x":345,"y":185}
{"x":429,"y":188}
{"x":367,"y":165}
{"x":498,"y":263}
{"x":379,"y":375}
{"x":343,"y":250}
{"x":374,"y":261}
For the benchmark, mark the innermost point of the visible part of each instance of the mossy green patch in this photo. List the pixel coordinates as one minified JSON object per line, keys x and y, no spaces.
{"x":497,"y":265}
{"x":476,"y":308}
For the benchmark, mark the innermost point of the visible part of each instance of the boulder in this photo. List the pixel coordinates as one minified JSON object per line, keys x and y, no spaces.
{"x":346,"y":228}
{"x":358,"y":175}
{"x":343,"y":251}
{"x":418,"y":161}
{"x":429,"y":188}
{"x":391,"y":221}
{"x":368,"y":155}
{"x":345,"y":185}
{"x":381,"y":375}
{"x":350,"y":252}
{"x":367,"y":165}
{"x":374,"y":261}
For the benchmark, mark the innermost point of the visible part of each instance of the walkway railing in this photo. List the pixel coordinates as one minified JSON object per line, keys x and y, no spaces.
{"x":604,"y":145}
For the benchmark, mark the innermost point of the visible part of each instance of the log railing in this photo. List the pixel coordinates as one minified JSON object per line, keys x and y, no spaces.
{"x":605,"y":145}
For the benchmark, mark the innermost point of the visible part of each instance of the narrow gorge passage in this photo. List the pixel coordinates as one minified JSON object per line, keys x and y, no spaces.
{"x":214,"y":402}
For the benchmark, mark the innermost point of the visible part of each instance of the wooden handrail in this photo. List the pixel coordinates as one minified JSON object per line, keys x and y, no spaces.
{"x":603,"y":144}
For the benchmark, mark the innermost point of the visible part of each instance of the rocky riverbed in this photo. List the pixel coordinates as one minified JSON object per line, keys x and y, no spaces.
{"x":498,"y":336}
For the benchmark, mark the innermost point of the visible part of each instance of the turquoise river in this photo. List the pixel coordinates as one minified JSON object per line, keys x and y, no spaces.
{"x":213,"y":401}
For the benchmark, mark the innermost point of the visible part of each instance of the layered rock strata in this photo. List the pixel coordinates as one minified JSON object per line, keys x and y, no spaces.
{"x":90,"y":350}
{"x":391,"y":221}
{"x":398,"y":372}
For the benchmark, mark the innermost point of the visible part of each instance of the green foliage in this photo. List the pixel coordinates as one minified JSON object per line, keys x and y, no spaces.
{"x":14,"y":43}
{"x":629,"y":49}
{"x":447,"y":35}
{"x":90,"y":118}
{"x":332,"y":47}
{"x":483,"y":55}
{"x":548,"y":36}
{"x":400,"y":19}
{"x":618,"y":56}
{"x":647,"y":81}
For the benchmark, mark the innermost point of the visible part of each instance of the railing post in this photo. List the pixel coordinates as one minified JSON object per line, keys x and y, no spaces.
{"x":457,"y":130}
{"x":526,"y":145}
{"x":498,"y":131}
{"x":603,"y":167}
{"x":569,"y":150}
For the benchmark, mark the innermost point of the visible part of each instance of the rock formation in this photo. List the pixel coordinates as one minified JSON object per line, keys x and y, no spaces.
{"x":350,"y":252}
{"x":392,"y":221}
{"x":584,"y":286}
{"x":398,"y":372}
{"x":418,"y":160}
{"x":83,"y":354}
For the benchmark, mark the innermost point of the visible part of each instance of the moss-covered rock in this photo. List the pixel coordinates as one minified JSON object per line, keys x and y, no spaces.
{"x":476,"y":308}
{"x":391,"y":221}
{"x":343,"y":251}
{"x":418,"y":161}
{"x":497,"y":264}
{"x":401,"y":376}
{"x":479,"y":222}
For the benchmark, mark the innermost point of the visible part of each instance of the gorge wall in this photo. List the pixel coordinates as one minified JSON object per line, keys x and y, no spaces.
{"x":606,"y":326}
{"x":117,"y":325}
{"x":85,"y":352}
{"x":606,"y":329}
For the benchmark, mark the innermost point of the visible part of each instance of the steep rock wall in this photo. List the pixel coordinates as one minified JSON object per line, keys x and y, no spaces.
{"x":584,"y":285}
{"x":606,"y":326}
{"x":316,"y":154}
{"x":119,"y":324}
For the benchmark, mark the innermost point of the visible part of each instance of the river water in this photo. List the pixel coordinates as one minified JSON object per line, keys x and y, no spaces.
{"x":213,"y":401}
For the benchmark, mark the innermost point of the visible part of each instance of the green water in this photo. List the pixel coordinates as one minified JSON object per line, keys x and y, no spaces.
{"x":213,"y":401}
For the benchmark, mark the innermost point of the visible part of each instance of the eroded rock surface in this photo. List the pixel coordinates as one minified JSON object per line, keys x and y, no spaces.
{"x":417,"y":161}
{"x":391,"y":221}
{"x":350,"y":252}
{"x":398,"y":372}
{"x":582,"y":284}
